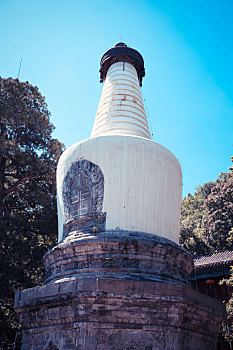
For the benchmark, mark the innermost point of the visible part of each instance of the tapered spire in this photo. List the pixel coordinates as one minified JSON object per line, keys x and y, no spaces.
{"x":121,"y":109}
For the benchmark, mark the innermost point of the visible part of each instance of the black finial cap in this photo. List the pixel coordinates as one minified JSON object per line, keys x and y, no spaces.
{"x":120,"y":44}
{"x":122,"y":53}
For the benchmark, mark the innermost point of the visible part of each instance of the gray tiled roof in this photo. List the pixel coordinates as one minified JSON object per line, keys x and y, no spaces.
{"x":214,"y":260}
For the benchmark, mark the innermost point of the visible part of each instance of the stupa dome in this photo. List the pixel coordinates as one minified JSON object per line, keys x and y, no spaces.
{"x":119,"y":178}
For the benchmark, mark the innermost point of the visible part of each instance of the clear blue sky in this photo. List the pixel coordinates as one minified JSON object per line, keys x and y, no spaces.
{"x":188,"y":51}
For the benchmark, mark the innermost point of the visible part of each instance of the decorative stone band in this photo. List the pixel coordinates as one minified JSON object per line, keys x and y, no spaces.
{"x":120,"y":255}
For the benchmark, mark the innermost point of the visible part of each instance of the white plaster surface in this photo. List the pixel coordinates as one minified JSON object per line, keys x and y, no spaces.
{"x":121,"y":108}
{"x":142,"y":183}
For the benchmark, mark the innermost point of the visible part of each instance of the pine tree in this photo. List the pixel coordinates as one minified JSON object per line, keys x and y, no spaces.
{"x":28,"y":220}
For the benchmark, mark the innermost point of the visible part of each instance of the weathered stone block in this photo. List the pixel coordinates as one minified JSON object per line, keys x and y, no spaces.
{"x":114,"y":308}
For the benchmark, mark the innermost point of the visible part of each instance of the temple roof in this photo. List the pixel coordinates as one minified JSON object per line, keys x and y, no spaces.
{"x":214,"y":260}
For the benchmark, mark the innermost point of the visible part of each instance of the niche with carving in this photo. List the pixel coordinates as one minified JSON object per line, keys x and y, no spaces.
{"x":83,"y":192}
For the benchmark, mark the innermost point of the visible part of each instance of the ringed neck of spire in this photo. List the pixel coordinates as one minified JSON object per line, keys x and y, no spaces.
{"x":121,"y":109}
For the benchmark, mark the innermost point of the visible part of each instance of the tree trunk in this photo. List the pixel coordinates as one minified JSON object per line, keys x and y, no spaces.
{"x":2,"y":180}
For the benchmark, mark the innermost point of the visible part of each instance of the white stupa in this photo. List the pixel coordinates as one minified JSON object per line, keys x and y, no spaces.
{"x":117,"y":280}
{"x":119,"y":179}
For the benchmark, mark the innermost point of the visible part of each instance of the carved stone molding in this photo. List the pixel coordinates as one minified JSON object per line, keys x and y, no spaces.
{"x":120,"y":255}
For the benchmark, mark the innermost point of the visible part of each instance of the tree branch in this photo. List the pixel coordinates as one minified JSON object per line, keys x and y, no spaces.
{"x":19,"y":182}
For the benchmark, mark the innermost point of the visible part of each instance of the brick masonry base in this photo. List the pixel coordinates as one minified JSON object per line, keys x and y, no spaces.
{"x":88,"y":312}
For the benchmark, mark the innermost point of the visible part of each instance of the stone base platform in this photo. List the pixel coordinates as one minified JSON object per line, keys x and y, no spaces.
{"x":77,"y":310}
{"x":120,"y":255}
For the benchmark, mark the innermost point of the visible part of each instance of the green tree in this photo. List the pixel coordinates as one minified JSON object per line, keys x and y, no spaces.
{"x":191,"y":225}
{"x":218,"y":218}
{"x":28,"y":221}
{"x":228,"y":325}
{"x":207,"y":227}
{"x":207,"y":217}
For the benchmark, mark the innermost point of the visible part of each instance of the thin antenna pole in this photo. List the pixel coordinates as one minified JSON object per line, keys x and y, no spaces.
{"x":121,"y":38}
{"x":19,"y":67}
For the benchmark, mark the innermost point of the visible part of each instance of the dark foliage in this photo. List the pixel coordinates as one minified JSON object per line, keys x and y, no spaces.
{"x":207,"y":227}
{"x":191,"y":225}
{"x":207,"y":217}
{"x":228,"y":325}
{"x":28,"y":221}
{"x":218,"y":220}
